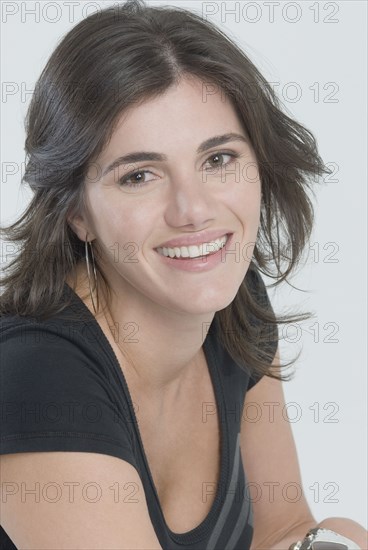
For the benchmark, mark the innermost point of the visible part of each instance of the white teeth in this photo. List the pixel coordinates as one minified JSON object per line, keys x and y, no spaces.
{"x":194,"y":251}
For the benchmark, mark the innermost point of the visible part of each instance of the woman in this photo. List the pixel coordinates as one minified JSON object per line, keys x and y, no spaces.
{"x":135,"y":324}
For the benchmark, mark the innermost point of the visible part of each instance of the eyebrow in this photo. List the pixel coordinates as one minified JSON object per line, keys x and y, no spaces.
{"x":141,"y":156}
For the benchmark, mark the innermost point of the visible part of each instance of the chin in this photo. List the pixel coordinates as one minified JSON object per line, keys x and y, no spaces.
{"x":209,"y":302}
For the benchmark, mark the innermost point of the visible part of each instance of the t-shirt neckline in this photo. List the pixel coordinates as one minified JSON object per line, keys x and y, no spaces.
{"x":205,"y":527}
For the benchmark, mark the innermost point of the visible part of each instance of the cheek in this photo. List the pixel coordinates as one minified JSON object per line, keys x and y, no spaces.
{"x":122,"y":223}
{"x":246,"y":201}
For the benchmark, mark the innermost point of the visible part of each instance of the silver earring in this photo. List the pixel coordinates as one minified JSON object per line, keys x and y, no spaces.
{"x":89,"y":274}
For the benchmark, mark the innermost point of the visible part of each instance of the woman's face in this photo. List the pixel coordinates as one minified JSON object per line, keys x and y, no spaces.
{"x":188,"y":189}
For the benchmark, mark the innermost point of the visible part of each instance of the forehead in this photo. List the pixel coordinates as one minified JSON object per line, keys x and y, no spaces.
{"x":189,"y":111}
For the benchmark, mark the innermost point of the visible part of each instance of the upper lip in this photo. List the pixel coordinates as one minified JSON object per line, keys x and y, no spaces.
{"x":195,"y":238}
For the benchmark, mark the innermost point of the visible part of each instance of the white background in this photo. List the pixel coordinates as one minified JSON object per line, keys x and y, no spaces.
{"x":304,"y":44}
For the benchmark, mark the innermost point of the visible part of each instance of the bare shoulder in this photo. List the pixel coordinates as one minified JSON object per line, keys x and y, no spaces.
{"x":74,"y":500}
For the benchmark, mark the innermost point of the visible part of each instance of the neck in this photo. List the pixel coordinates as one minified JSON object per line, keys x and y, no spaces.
{"x":161,"y":352}
{"x":161,"y":349}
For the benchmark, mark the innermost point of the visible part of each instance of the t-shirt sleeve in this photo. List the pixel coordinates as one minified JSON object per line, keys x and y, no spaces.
{"x":54,"y":397}
{"x":259,"y":288}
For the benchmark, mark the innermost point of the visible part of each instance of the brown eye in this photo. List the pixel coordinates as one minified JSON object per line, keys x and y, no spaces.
{"x":136,"y":179}
{"x":217,"y":156}
{"x":217,"y":159}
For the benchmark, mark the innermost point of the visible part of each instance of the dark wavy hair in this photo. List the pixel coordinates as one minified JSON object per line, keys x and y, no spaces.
{"x":119,"y":57}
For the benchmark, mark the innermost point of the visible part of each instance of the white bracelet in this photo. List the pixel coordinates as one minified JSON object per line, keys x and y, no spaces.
{"x":324,"y":539}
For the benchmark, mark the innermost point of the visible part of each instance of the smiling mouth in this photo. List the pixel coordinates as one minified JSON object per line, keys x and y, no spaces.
{"x":193,"y":252}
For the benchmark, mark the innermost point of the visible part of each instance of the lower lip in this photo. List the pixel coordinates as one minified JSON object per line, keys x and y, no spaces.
{"x":202,"y":263}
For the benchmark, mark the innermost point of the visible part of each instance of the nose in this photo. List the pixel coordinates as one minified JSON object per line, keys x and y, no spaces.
{"x":189,"y":201}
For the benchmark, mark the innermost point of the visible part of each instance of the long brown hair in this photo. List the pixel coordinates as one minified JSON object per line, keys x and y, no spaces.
{"x":119,"y":57}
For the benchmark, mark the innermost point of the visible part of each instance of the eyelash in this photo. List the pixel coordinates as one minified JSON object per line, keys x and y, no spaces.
{"x":124,"y":180}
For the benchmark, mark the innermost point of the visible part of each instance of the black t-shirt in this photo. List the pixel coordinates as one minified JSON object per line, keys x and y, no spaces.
{"x":62,"y":389}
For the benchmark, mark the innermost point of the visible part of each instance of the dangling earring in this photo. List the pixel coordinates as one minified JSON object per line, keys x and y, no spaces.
{"x":89,"y":274}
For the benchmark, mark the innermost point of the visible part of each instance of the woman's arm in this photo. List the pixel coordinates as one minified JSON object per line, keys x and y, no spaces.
{"x":281,"y":513}
{"x":75,"y":518}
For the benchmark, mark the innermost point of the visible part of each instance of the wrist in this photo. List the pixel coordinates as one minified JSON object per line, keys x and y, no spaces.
{"x":321,"y":538}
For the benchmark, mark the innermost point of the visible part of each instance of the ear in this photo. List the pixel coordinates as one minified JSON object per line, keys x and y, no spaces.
{"x":80,"y":226}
